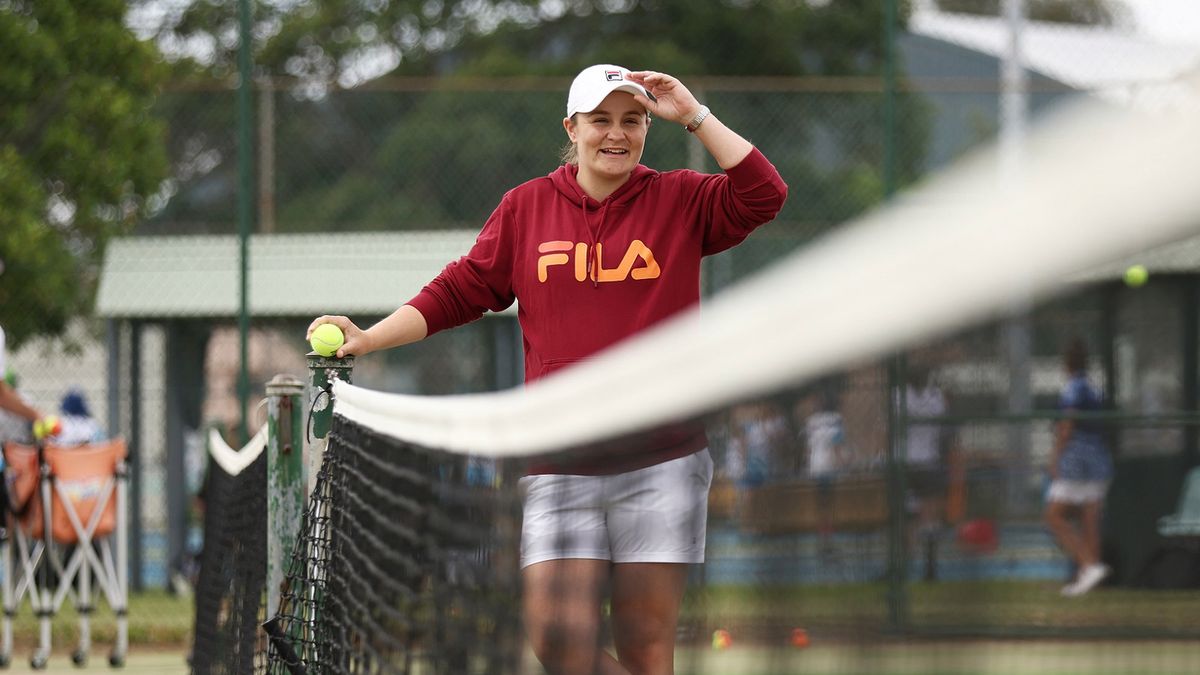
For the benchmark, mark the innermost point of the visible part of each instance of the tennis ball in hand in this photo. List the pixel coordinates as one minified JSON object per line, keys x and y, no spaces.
{"x":1136,"y":276}
{"x":47,"y":426}
{"x":326,"y":339}
{"x":721,"y":639}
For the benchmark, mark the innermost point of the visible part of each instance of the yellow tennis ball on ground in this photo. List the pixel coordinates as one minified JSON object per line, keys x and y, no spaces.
{"x":1136,"y":276}
{"x":326,"y":339}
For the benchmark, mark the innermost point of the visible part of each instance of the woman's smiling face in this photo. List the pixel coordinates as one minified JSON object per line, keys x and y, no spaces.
{"x":609,"y":140}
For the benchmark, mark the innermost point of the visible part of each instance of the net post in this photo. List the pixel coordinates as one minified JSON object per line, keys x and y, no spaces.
{"x":322,"y":371}
{"x":286,"y":479}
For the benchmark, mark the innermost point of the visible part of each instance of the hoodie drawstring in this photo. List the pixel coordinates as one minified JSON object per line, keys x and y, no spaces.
{"x":593,"y":261}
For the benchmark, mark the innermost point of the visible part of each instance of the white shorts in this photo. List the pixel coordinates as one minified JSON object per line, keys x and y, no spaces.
{"x":1077,"y":491}
{"x":656,"y":514}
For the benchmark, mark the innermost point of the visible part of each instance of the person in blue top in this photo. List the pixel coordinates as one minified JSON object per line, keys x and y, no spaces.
{"x":1080,"y":470}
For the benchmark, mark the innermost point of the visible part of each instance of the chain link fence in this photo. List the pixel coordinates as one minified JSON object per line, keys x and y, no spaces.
{"x":400,"y":155}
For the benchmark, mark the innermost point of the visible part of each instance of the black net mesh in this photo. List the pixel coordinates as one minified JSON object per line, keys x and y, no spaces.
{"x":229,"y":592}
{"x":406,"y":564}
{"x":850,"y":528}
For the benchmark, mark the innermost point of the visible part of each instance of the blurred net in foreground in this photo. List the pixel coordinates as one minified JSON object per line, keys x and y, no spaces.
{"x":407,"y":562}
{"x":233,"y":573}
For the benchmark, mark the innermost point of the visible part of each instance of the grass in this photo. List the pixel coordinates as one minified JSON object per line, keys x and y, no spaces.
{"x":1039,"y":632}
{"x":982,"y":609}
{"x":140,"y":661}
{"x":950,"y":658}
{"x":156,"y":618}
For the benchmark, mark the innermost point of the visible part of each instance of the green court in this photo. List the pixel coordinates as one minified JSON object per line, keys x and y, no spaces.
{"x":957,"y":658}
{"x":960,"y":658}
{"x":140,"y":661}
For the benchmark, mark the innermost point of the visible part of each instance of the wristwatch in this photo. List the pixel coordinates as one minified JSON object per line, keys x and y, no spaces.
{"x":698,"y":119}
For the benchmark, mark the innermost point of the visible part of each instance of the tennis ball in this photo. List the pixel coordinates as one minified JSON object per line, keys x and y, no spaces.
{"x":1136,"y":276}
{"x":326,"y":339}
{"x":46,"y":426}
{"x":721,"y":639}
{"x":799,"y":638}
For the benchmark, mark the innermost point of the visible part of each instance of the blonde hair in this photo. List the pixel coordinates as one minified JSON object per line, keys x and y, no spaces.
{"x":569,"y":154}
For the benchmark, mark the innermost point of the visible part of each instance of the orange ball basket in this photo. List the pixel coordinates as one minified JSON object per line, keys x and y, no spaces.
{"x":81,"y":475}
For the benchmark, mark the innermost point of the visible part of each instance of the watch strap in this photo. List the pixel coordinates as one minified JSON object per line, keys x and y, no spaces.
{"x":703,"y":114}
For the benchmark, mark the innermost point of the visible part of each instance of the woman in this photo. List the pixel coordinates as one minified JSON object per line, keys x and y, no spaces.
{"x":600,"y":249}
{"x":1080,"y":471}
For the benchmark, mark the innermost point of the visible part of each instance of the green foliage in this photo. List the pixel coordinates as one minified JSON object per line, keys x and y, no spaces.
{"x":440,"y":152}
{"x":325,"y":39}
{"x":1086,"y":12}
{"x":80,"y":152}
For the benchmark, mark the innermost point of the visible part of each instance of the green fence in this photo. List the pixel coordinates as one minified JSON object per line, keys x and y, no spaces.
{"x":401,"y":154}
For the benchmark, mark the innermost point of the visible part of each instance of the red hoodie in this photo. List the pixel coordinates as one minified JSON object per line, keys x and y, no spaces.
{"x":588,"y":274}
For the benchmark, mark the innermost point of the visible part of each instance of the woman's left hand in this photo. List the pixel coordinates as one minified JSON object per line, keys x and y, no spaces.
{"x":674,"y":101}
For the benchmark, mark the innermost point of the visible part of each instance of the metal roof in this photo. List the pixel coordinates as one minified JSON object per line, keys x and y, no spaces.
{"x":298,"y":275}
{"x":1120,"y":64}
{"x":1181,"y":257}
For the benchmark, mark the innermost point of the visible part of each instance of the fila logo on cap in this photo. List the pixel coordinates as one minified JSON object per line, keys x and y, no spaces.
{"x":612,"y":75}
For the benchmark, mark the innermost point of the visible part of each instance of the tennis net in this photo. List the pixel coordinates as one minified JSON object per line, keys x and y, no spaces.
{"x":408,"y":559}
{"x":232,"y":574}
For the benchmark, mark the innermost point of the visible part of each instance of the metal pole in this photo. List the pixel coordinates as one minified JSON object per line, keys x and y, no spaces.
{"x":1014,"y":97}
{"x":112,"y":342}
{"x":1018,"y":329}
{"x":266,"y":156}
{"x":889,"y":99}
{"x":286,"y":480}
{"x":897,"y":569}
{"x":1191,"y":363}
{"x":322,"y":372}
{"x":134,"y":460}
{"x":244,"y":215}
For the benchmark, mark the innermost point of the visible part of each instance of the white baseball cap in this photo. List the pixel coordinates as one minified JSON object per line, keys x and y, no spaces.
{"x":593,"y":83}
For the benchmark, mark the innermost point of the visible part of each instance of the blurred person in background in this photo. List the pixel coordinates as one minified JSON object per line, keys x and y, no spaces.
{"x":14,"y":427}
{"x":10,"y":400}
{"x":926,"y":461}
{"x":78,"y":425}
{"x":1080,"y":472}
{"x":824,"y":441}
{"x":599,"y":250}
{"x":16,"y":418}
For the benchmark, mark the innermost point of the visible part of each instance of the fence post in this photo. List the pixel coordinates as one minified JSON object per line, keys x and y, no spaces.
{"x":286,"y":479}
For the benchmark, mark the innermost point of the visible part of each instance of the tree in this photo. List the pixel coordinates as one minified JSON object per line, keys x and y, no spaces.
{"x":1086,"y":12}
{"x":364,"y":157}
{"x":328,"y":40}
{"x":80,"y":152}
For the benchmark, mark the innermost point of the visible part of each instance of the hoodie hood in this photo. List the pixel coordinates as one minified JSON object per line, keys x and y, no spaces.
{"x":564,"y":179}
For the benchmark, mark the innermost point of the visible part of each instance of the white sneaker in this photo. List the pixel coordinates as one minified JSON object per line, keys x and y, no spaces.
{"x":1088,"y":579}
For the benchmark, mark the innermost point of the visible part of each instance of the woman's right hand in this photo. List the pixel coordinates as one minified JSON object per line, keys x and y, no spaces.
{"x":356,"y":340}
